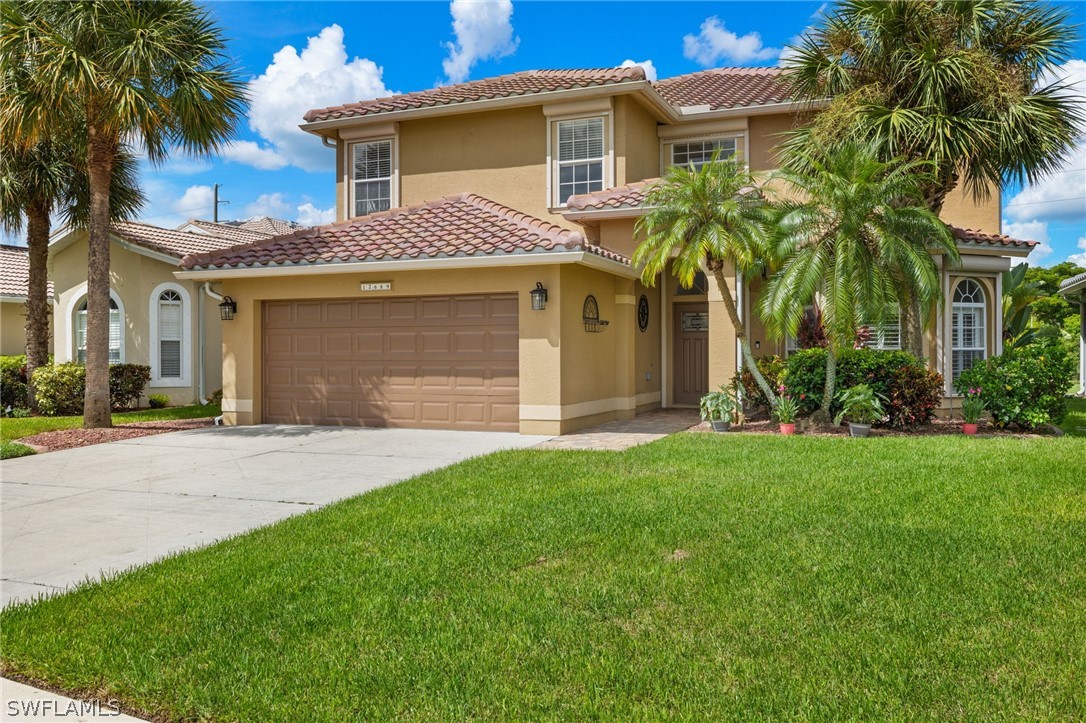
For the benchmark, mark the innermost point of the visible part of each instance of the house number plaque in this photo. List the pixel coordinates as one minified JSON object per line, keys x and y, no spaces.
{"x":377,"y":286}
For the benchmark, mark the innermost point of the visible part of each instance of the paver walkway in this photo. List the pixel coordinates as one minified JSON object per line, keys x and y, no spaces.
{"x":617,"y":436}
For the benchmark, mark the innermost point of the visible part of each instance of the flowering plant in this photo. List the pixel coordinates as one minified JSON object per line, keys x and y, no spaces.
{"x":786,"y":408}
{"x":972,"y":406}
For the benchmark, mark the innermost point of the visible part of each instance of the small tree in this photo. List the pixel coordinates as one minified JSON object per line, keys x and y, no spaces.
{"x":852,"y":239}
{"x":713,"y":216}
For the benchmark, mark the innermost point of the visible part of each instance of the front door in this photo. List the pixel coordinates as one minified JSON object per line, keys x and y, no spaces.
{"x":690,"y":379}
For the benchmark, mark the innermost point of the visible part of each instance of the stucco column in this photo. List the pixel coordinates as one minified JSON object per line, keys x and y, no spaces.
{"x":241,"y":361}
{"x":625,"y":326}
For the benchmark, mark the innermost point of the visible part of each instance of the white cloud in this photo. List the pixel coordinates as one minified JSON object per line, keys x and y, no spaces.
{"x":1031,"y":231}
{"x":319,"y":76}
{"x":310,"y":215}
{"x":715,"y":42}
{"x":646,"y":65}
{"x":269,"y":204}
{"x":1061,"y":195}
{"x":1079,"y":259}
{"x":253,"y":154}
{"x":483,"y":30}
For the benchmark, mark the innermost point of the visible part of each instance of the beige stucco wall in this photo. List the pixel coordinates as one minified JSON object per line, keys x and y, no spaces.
{"x":961,"y":209}
{"x":500,"y":155}
{"x":13,"y":328}
{"x":133,"y":278}
{"x":568,"y":378}
{"x":637,"y":147}
{"x":764,"y":135}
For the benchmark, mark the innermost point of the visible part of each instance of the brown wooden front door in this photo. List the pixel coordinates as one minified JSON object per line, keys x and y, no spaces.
{"x":690,"y":379}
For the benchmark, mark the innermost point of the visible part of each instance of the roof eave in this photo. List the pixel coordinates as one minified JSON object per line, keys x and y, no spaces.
{"x":1077,"y":288}
{"x":539,"y":258}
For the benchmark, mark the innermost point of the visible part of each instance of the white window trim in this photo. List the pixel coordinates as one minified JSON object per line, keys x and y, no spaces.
{"x":348,"y":172}
{"x":185,"y":380}
{"x":878,"y":339}
{"x":985,"y":321}
{"x":552,"y":160}
{"x":67,"y":353}
{"x":742,"y":146}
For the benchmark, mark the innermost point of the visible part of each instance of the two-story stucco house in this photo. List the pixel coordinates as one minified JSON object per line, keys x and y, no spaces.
{"x":479,"y":277}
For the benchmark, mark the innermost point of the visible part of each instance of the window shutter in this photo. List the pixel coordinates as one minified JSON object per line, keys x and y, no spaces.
{"x":169,"y":335}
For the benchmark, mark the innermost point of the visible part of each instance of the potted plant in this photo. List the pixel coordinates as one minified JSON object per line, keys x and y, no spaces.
{"x":972,"y":408}
{"x":718,"y":408}
{"x":862,"y":407}
{"x":784,"y":411}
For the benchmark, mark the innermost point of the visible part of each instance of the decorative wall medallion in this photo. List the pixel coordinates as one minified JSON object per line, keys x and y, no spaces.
{"x":643,"y":313}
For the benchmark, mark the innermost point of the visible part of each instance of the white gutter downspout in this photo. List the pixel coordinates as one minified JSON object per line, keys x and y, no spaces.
{"x":203,"y":350}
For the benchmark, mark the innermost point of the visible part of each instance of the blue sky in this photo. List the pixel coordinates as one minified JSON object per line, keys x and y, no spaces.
{"x":299,"y":55}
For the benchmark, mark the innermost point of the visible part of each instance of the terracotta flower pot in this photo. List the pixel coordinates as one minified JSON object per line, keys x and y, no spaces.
{"x":788,"y":429}
{"x":969,"y":428}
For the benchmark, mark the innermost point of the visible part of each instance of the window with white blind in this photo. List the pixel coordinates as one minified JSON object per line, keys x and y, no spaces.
{"x":115,"y":331}
{"x":969,"y":341}
{"x":169,"y":334}
{"x":887,"y":335}
{"x":371,"y":169}
{"x":698,"y":153}
{"x":580,"y":158}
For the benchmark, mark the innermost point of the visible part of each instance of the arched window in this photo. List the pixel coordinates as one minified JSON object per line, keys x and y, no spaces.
{"x":115,"y":331}
{"x":968,"y":328}
{"x":169,"y":334}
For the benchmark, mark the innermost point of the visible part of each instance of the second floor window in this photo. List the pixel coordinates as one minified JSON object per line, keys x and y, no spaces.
{"x":580,"y":157}
{"x":698,"y":153}
{"x":372,"y":177}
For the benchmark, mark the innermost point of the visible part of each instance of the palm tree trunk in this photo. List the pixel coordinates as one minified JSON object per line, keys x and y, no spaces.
{"x":912,"y":330}
{"x":831,"y":381}
{"x":741,"y":332}
{"x":96,"y":407}
{"x":37,"y":304}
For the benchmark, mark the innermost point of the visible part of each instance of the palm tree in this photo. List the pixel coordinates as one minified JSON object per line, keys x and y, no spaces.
{"x":152,"y":74}
{"x":36,"y":183}
{"x":713,"y":216}
{"x":966,"y":86}
{"x":854,"y":238}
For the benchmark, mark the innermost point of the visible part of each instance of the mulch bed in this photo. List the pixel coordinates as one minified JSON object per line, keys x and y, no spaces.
{"x":69,"y":438}
{"x":935,"y":428}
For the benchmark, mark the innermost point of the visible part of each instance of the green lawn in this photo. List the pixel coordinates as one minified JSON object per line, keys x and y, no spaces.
{"x":1075,"y":421}
{"x":12,"y":428}
{"x":931,"y":578}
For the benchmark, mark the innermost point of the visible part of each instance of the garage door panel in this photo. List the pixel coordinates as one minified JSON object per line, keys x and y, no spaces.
{"x":431,"y":362}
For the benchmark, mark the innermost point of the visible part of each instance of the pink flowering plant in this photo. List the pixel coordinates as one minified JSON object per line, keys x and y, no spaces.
{"x":972,"y":405}
{"x":786,"y":407}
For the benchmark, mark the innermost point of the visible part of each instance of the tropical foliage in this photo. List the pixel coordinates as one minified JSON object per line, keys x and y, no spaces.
{"x":114,"y":72}
{"x":1025,"y":387}
{"x":854,"y":241}
{"x":713,"y":216}
{"x":859,"y":404}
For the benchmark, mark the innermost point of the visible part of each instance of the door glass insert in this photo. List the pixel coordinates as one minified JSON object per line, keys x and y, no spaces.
{"x":695,"y":321}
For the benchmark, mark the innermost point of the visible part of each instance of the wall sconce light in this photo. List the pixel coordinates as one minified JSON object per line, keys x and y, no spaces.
{"x":227,"y":309}
{"x":539,"y":297}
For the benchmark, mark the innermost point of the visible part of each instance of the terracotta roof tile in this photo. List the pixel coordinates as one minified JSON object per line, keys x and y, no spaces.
{"x":15,"y":272}
{"x":632,"y":195}
{"x":1074,"y":281}
{"x":974,"y":236}
{"x":725,"y":88}
{"x":269,"y":226}
{"x":526,"y":82}
{"x":463,"y":225}
{"x":170,"y":241}
{"x":235,"y":231}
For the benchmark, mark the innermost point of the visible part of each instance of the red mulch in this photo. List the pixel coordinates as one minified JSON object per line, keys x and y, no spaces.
{"x":937,"y":427}
{"x":69,"y":438}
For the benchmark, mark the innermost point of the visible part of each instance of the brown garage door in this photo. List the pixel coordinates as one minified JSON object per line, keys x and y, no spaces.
{"x":437,"y":362}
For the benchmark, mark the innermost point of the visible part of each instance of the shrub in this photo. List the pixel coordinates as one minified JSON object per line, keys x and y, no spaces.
{"x":1026,"y":387}
{"x":772,"y":367}
{"x":911,"y":391}
{"x":20,"y":412}
{"x":60,"y":389}
{"x":860,"y":405}
{"x":215,"y":398}
{"x":158,"y":401}
{"x":126,"y":384}
{"x":12,"y":381}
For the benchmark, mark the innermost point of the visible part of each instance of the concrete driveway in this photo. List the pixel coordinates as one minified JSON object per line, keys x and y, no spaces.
{"x":78,"y":513}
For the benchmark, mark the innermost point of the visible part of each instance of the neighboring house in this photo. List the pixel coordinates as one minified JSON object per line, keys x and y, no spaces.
{"x":478,"y":276}
{"x":14,"y":277}
{"x":156,"y":319}
{"x":1075,"y":290}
